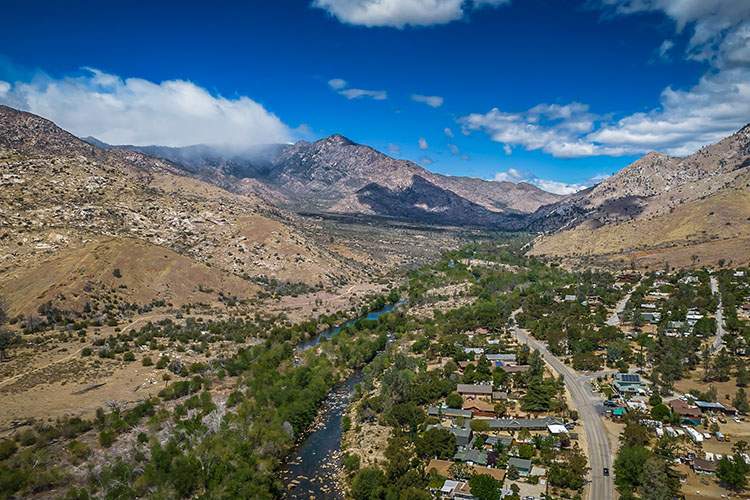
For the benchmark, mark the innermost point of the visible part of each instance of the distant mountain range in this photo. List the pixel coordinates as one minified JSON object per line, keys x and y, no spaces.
{"x":337,"y":175}
{"x":227,"y":214}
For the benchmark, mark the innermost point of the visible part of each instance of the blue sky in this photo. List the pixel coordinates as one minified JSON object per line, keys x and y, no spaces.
{"x":555,"y":92}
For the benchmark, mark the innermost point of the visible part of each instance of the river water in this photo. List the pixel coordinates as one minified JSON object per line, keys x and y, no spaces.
{"x":310,"y":472}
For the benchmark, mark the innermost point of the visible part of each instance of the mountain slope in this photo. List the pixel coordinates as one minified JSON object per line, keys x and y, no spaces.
{"x":660,"y":209}
{"x":61,"y":198}
{"x":330,"y":174}
{"x":653,"y":184}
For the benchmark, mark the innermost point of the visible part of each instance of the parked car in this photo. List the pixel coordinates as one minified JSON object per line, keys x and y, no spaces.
{"x":736,"y":419}
{"x":606,"y":471}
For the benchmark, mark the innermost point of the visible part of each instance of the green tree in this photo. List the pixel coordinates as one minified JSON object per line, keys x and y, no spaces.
{"x":740,"y":401}
{"x":656,"y":483}
{"x":454,"y":400}
{"x":629,"y":466}
{"x":368,"y":484}
{"x":743,"y":377}
{"x":512,"y":473}
{"x":484,"y":487}
{"x":660,"y":412}
{"x":436,"y":442}
{"x":733,"y":472}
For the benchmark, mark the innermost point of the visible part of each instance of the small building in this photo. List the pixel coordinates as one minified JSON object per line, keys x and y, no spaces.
{"x":570,"y":298}
{"x":523,"y":465}
{"x":701,"y":466}
{"x":476,"y":390}
{"x":689,"y":414}
{"x":436,"y":412}
{"x":479,"y":407}
{"x":516,"y":424}
{"x":651,"y":317}
{"x":499,"y":396}
{"x":472,"y":457}
{"x":710,"y":407}
{"x":618,"y":414}
{"x":514,"y":368}
{"x":501,"y":359}
{"x":628,"y":383}
{"x":557,"y":429}
{"x":463,"y":435}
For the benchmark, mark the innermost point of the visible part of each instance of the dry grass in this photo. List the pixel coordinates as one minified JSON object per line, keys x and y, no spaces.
{"x":717,"y":227}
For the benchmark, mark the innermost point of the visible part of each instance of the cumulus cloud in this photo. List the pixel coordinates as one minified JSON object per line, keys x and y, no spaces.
{"x":685,"y":119}
{"x":339,"y":86}
{"x":556,"y":187}
{"x":136,"y":111}
{"x":431,"y":100}
{"x":394,"y":149}
{"x":423,"y":144}
{"x":448,"y":132}
{"x":400,"y":13}
{"x":426,"y":161}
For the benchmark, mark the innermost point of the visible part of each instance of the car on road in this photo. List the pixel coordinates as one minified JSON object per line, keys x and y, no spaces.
{"x":736,"y":419}
{"x":606,"y":471}
{"x":610,"y":403}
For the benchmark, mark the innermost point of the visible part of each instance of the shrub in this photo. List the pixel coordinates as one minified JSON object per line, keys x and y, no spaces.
{"x":7,"y":448}
{"x":78,"y":449}
{"x":106,"y":438}
{"x":128,"y":356}
{"x":351,"y":462}
{"x":147,"y":361}
{"x":26,"y":438}
{"x":86,"y":351}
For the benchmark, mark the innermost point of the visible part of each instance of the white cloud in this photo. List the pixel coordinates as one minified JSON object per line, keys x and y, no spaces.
{"x":137,"y":111}
{"x":394,"y":149}
{"x":4,"y":88}
{"x":664,"y":49}
{"x":337,"y":83}
{"x":557,"y":187}
{"x":339,"y":86}
{"x":454,"y":149}
{"x":423,"y":144}
{"x":508,"y":150}
{"x":426,"y":161}
{"x":448,"y":132}
{"x":685,"y":119}
{"x":431,"y":100}
{"x":400,"y":13}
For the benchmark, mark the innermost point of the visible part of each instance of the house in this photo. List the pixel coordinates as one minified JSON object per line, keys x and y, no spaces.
{"x":442,"y":466}
{"x":476,"y":390}
{"x":434,"y":411}
{"x":570,"y":298}
{"x":557,"y":429}
{"x":618,"y":414}
{"x":516,"y":424}
{"x":628,"y":383}
{"x":479,"y":407}
{"x":701,"y":466}
{"x":689,"y":414}
{"x":472,"y":457}
{"x":523,"y":465}
{"x":459,"y":490}
{"x":501,"y":359}
{"x":515,"y":368}
{"x":499,"y":396}
{"x":693,"y":316}
{"x":463,"y":436}
{"x":651,"y":317}
{"x":710,"y":407}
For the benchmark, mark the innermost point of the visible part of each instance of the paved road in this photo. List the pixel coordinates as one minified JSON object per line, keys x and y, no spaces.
{"x":719,"y":317}
{"x":614,"y":319}
{"x":600,"y":456}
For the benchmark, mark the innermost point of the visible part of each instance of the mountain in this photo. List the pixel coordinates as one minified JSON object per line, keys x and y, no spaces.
{"x":337,"y":175}
{"x":659,"y":210}
{"x":72,"y":213}
{"x":651,"y":185}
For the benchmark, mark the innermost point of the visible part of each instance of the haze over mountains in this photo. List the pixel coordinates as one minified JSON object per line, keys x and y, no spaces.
{"x":71,"y":212}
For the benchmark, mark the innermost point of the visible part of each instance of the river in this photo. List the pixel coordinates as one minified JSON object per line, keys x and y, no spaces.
{"x":313,"y":467}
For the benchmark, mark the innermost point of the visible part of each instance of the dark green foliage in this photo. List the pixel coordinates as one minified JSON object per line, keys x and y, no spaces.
{"x":368,"y":484}
{"x":484,"y":487}
{"x":436,"y":442}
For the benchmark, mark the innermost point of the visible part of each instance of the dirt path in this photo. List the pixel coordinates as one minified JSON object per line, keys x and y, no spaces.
{"x":66,"y":358}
